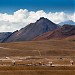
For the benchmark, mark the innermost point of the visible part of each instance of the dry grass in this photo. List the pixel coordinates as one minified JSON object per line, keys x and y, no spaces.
{"x":35,"y":72}
{"x":46,"y":48}
{"x":16,"y":70}
{"x":51,"y":49}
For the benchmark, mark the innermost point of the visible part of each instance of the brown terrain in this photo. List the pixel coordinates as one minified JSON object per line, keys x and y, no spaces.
{"x":51,"y":52}
{"x":48,"y":57}
{"x":60,"y":33}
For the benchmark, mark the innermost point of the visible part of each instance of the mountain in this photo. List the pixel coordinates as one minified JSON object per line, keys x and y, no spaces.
{"x":4,"y":35}
{"x":32,"y":30}
{"x":72,"y":38}
{"x":62,"y":32}
{"x":70,"y":22}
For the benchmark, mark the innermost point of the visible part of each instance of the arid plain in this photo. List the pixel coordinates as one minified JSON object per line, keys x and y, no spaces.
{"x":49,"y":57}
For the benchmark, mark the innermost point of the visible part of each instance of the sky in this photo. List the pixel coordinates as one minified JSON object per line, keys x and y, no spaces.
{"x":10,"y":6}
{"x":15,"y":14}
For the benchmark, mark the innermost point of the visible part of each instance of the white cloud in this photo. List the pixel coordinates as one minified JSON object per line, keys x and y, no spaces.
{"x":21,"y":18}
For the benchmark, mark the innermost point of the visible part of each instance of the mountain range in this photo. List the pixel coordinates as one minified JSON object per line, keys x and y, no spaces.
{"x":42,"y":29}
{"x":69,"y":22}
{"x":62,"y":32}
{"x":32,"y":30}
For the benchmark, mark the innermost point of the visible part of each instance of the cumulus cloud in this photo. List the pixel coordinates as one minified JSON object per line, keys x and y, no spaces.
{"x":23,"y":17}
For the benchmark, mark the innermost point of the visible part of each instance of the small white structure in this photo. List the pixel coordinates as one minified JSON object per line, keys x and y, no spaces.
{"x":7,"y":58}
{"x":49,"y":64}
{"x":13,"y":62}
{"x":71,"y":62}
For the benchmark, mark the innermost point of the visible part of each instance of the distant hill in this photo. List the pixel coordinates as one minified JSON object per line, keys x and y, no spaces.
{"x":72,"y":38}
{"x":32,"y":30}
{"x":62,"y":32}
{"x":70,"y":22}
{"x":4,"y":35}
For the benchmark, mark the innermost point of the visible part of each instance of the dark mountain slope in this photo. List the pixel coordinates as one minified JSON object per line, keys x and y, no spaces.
{"x":32,"y":30}
{"x":4,"y":35}
{"x":62,"y":32}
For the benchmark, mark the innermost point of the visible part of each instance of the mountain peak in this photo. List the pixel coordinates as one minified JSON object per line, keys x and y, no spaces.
{"x":70,"y":22}
{"x":33,"y":30}
{"x":44,"y":20}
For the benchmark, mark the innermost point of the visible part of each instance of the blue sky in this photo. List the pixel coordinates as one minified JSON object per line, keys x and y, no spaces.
{"x":16,"y":14}
{"x":10,"y":6}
